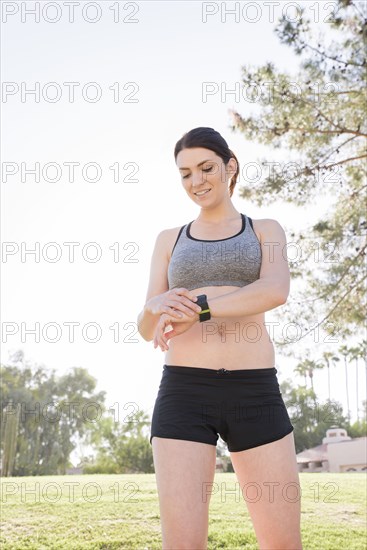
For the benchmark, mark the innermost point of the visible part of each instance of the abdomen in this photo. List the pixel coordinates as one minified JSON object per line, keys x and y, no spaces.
{"x":223,"y":342}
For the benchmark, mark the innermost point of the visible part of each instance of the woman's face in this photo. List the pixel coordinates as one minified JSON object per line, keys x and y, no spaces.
{"x":204,"y":175}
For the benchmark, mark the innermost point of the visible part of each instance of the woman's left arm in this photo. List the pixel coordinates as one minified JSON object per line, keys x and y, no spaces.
{"x":270,"y":290}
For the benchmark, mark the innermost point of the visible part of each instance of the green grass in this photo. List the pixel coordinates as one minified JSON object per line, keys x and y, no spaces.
{"x":122,"y":511}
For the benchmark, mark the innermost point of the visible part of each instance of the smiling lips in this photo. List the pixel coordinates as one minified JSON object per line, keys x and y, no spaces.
{"x":203,"y":192}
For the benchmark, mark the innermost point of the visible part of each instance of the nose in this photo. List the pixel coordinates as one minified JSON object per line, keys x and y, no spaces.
{"x":197,"y":181}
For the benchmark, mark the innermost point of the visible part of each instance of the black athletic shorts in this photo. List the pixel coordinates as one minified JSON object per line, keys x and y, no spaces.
{"x":245,"y":407}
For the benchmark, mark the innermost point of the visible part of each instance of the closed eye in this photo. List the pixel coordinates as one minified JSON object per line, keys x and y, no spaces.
{"x":207,"y":170}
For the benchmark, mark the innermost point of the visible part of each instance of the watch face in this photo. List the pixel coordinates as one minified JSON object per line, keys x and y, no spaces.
{"x":201,"y":300}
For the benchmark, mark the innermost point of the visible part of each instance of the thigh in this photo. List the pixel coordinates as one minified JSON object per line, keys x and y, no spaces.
{"x":186,"y":408}
{"x":269,"y":481}
{"x":184,"y":472}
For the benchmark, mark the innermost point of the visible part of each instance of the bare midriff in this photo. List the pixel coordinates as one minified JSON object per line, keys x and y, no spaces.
{"x":233,"y":343}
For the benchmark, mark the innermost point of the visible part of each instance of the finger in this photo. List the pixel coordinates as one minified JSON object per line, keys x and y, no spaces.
{"x":184,"y":292}
{"x":155,"y":341}
{"x":191,"y":309}
{"x":163,"y":326}
{"x":186,"y":306}
{"x":172,"y":312}
{"x":187,"y":298}
{"x":165,"y":343}
{"x":157,"y":333}
{"x":158,"y":337}
{"x":162,"y":344}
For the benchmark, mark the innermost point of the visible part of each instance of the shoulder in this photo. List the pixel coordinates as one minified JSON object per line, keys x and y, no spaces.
{"x":167,"y":238}
{"x":166,"y":235}
{"x":268,"y":228}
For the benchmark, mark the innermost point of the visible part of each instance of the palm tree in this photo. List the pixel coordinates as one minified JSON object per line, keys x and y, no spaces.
{"x":307,"y":367}
{"x":358,"y":352}
{"x":345,"y":351}
{"x":354,"y":355}
{"x":327,"y":357}
{"x":312,"y":366}
{"x":335,"y":359}
{"x":302,"y":370}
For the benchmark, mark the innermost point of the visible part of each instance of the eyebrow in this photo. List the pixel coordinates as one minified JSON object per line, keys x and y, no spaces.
{"x":200,"y":163}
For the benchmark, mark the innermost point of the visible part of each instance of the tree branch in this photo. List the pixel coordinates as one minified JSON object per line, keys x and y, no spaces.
{"x":313,"y":106}
{"x":331,"y":311}
{"x":342,"y":131}
{"x":357,"y":10}
{"x":328,"y":155}
{"x":343,"y":275}
{"x":324,"y":55}
{"x":346,"y":160}
{"x":343,"y":92}
{"x":310,"y":171}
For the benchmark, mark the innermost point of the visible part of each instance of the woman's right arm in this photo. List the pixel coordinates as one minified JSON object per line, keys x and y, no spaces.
{"x":159,"y":298}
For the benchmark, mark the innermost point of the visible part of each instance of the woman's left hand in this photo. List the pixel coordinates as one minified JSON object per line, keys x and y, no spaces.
{"x":179,"y":326}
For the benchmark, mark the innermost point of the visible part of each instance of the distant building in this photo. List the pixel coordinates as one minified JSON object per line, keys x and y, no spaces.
{"x":338,"y":453}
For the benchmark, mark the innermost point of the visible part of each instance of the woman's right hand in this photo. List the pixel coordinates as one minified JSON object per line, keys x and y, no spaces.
{"x":172,"y":302}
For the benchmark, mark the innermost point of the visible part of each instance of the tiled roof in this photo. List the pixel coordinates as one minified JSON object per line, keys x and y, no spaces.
{"x":318,"y":453}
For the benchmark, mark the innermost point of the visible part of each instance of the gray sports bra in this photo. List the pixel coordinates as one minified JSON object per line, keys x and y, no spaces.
{"x":234,"y":261}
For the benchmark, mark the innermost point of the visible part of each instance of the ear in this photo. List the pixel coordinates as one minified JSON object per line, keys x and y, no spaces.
{"x":231,"y":167}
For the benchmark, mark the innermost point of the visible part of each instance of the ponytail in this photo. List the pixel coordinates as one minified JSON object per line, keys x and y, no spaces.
{"x":235,"y":175}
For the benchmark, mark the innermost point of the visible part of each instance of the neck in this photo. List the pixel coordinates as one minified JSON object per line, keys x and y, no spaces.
{"x":218,"y":214}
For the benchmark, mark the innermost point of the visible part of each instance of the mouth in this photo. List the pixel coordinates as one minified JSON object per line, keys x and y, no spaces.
{"x":202,"y":193}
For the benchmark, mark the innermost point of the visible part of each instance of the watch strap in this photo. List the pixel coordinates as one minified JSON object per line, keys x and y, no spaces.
{"x":202,"y":301}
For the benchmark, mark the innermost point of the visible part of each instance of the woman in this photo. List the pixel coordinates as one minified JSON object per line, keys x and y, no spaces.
{"x":219,"y":376}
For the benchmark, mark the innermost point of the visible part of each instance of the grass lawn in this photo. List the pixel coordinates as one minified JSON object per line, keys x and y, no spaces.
{"x":122,"y":511}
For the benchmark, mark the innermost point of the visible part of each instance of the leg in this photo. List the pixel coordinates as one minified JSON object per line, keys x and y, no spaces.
{"x":273,"y":493}
{"x":183,"y":469}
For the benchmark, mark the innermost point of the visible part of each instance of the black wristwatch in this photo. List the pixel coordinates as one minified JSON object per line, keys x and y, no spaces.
{"x":204,"y":315}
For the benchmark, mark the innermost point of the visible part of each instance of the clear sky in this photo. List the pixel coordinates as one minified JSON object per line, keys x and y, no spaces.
{"x":149,"y":68}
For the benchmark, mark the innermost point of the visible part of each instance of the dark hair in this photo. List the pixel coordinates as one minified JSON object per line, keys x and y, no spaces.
{"x":209,"y":139}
